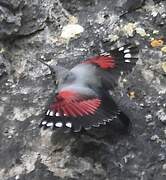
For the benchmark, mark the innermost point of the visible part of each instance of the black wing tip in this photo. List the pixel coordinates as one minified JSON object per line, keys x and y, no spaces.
{"x":72,"y":124}
{"x":125,"y":53}
{"x":65,"y":127}
{"x":69,"y":126}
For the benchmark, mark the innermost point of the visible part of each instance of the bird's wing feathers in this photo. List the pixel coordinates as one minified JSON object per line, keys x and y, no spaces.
{"x":74,"y":110}
{"x":78,"y":108}
{"x":103,"y":61}
{"x":115,"y":64}
{"x":73,"y":104}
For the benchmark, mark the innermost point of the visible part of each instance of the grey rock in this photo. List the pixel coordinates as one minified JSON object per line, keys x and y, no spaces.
{"x":5,"y":67}
{"x":23,"y":17}
{"x":107,"y":152}
{"x":3,"y":70}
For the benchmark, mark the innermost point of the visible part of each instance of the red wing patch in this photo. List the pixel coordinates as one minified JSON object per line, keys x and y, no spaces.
{"x":72,"y":104}
{"x":104,"y":62}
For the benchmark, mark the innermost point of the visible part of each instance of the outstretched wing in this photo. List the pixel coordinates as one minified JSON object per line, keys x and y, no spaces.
{"x":115,"y":64}
{"x":76,"y":111}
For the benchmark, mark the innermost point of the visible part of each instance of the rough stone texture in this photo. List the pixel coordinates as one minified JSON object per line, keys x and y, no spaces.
{"x":26,"y":152}
{"x":24,"y":17}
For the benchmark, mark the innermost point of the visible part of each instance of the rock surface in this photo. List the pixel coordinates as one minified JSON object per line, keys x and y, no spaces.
{"x":30,"y":31}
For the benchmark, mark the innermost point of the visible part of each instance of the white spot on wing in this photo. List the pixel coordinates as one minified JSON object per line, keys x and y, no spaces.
{"x":50,"y":124}
{"x":51,"y":113}
{"x":127,"y":55}
{"x":109,"y":120}
{"x":68,"y":125}
{"x":47,"y":113}
{"x":57,"y":114}
{"x":121,"y":48}
{"x":58,"y":124}
{"x":44,"y":122}
{"x":127,"y":60}
{"x":124,"y":80}
{"x":126,"y":50}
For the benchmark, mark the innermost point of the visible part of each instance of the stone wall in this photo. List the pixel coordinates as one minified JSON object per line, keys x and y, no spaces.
{"x":31,"y":31}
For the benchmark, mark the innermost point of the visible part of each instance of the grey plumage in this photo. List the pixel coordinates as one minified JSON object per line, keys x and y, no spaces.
{"x":90,"y":82}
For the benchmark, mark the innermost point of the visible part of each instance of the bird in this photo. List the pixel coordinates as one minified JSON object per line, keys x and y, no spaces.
{"x":82,"y":98}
